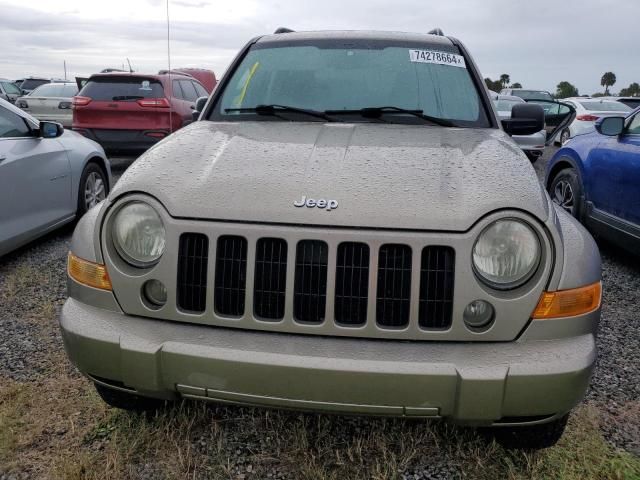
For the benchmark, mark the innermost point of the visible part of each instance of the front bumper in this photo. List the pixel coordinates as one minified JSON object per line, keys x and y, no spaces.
{"x":126,"y":141}
{"x":474,"y":383}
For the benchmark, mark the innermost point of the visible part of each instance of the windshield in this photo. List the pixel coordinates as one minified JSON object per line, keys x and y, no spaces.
{"x":532,"y":94}
{"x":338,"y":79}
{"x":505,"y":105}
{"x":30,"y":84}
{"x":61,"y":90}
{"x":605,"y":106}
{"x":126,"y":88}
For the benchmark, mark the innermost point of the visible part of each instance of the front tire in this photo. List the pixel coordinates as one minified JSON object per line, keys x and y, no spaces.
{"x":530,"y":437}
{"x":129,"y":401}
{"x":93,"y":188}
{"x":566,"y":191}
{"x":565,"y":136}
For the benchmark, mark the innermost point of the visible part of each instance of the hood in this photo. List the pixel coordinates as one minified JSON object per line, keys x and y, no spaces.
{"x":380,"y":175}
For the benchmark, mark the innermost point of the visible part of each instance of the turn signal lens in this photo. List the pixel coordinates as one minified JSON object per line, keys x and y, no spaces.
{"x":569,"y":303}
{"x":88,"y":273}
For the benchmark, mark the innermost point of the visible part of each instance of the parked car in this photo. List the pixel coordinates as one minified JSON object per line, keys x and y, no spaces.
{"x":344,"y":229}
{"x":527,"y":94}
{"x":50,"y":102}
{"x":632,"y":102}
{"x":596,"y":178}
{"x":48,"y":176}
{"x":31,"y":83}
{"x":8,"y":90}
{"x":588,"y":110}
{"x":130,"y":112}
{"x":206,"y":77}
{"x":531,"y":145}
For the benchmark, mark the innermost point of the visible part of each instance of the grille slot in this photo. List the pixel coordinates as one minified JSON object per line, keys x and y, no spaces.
{"x":231,"y":275}
{"x":310,"y":286}
{"x":352,"y":283}
{"x":270,"y":278}
{"x":394,"y":285}
{"x":193,"y":259}
{"x":437,"y":271}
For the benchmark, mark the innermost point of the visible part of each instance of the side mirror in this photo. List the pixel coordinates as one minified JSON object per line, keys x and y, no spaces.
{"x":200,"y":104}
{"x":611,"y":126}
{"x":526,"y":119}
{"x":51,"y":129}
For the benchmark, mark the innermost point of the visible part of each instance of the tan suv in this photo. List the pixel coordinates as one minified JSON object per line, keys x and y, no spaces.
{"x":347,"y":228}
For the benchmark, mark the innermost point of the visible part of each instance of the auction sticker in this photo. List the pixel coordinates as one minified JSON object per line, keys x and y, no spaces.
{"x":440,"y":58}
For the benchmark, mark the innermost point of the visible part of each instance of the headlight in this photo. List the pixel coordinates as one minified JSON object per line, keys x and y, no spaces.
{"x":506,"y":254}
{"x":138,"y":234}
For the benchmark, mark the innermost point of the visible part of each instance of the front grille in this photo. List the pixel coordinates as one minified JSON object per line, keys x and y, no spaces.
{"x":330,"y":284}
{"x":193,"y":259}
{"x":231,"y":275}
{"x":394,"y":285}
{"x":436,"y":287}
{"x":310,"y":285}
{"x":352,"y":283}
{"x":270,"y":278}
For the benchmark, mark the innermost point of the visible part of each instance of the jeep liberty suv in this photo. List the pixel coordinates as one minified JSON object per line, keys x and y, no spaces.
{"x":347,"y":228}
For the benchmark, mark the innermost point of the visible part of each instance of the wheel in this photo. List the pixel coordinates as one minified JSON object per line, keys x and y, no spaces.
{"x":533,"y":155}
{"x":129,"y":401}
{"x":93,"y":188}
{"x":529,"y":437}
{"x":566,"y":191}
{"x":564,"y":136}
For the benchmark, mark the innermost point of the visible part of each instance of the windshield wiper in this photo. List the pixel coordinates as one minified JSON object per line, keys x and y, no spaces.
{"x":276,"y":109}
{"x":377,"y":112}
{"x":127,"y":97}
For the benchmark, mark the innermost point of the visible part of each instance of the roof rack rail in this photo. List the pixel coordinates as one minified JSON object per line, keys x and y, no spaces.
{"x":174,"y":72}
{"x":436,"y":31}
{"x":283,"y":30}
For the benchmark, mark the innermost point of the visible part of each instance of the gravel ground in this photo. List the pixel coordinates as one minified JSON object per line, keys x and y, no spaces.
{"x":615,"y":388}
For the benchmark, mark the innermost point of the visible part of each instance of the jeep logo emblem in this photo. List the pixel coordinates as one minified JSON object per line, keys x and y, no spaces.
{"x":321,"y":203}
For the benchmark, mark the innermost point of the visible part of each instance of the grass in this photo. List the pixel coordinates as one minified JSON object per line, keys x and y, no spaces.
{"x":59,"y":428}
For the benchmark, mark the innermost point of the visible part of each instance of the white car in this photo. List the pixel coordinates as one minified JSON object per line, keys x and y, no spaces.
{"x":48,"y":176}
{"x":531,"y":145}
{"x":51,"y":102}
{"x":588,"y":110}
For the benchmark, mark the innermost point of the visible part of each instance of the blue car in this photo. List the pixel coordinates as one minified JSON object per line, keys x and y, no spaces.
{"x":596,"y":178}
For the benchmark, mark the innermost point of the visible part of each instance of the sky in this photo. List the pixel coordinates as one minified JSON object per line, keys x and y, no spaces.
{"x":538,"y":43}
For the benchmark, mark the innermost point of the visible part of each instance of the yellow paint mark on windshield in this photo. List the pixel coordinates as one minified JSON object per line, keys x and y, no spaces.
{"x":240,"y":98}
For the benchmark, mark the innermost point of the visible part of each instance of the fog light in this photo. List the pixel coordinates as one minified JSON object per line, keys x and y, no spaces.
{"x":155,"y":293}
{"x":478,"y":314}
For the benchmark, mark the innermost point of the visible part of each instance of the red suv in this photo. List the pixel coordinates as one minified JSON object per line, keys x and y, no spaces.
{"x":129,"y":112}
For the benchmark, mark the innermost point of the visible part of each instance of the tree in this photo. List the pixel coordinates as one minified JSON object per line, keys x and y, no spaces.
{"x":566,"y":89}
{"x":504,"y":80}
{"x":493,"y":85}
{"x":632,"y":90}
{"x":608,"y":80}
{"x":516,"y":85}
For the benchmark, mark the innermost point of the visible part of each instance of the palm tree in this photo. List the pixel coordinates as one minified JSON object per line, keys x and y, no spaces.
{"x":608,"y":80}
{"x":504,"y":80}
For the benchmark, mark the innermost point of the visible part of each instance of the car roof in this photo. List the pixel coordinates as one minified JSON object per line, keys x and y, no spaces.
{"x":155,"y":76}
{"x":356,"y":36}
{"x":512,"y":98}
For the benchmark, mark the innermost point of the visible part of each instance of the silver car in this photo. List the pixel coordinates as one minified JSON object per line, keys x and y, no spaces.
{"x":348,"y":227}
{"x":588,"y":111}
{"x":9,"y":90}
{"x":51,"y":102}
{"x":531,"y":145}
{"x":48,"y":176}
